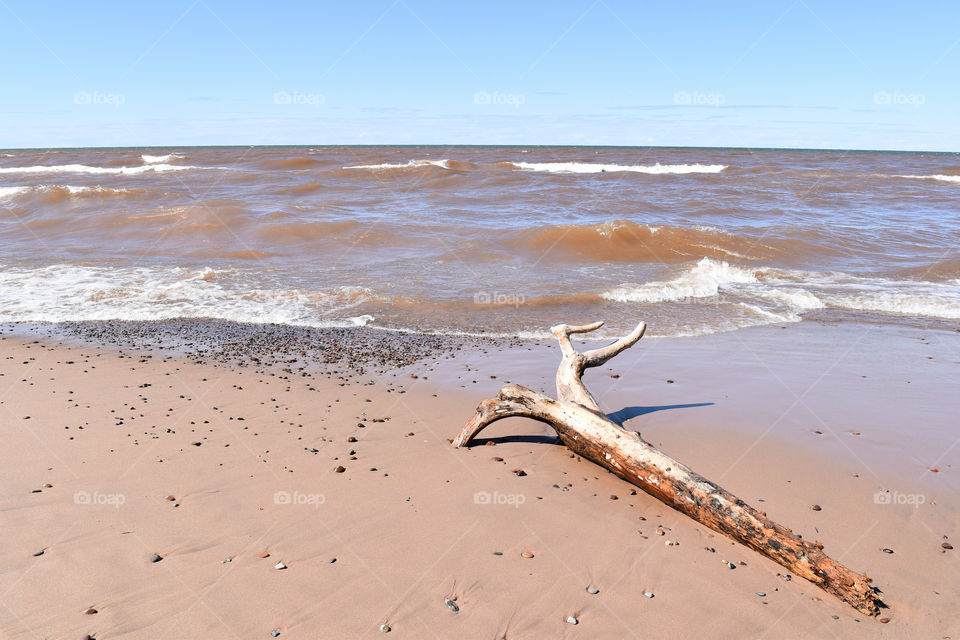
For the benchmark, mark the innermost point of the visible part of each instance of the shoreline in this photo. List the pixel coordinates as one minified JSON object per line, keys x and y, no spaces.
{"x":121,"y":416}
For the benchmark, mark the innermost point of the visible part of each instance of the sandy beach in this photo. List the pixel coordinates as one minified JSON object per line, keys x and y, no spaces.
{"x":149,"y":470}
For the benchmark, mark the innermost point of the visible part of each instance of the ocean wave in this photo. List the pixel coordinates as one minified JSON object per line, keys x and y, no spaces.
{"x":10,"y":192}
{"x":410,"y":164}
{"x":627,"y":241}
{"x":66,"y":293}
{"x":588,"y":167}
{"x":160,"y":159}
{"x":703,"y":280}
{"x":941,"y":177}
{"x":796,"y":292}
{"x":83,"y":168}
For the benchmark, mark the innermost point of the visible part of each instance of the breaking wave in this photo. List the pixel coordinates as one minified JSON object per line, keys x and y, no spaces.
{"x":66,"y":293}
{"x":941,"y":177}
{"x":627,"y":241}
{"x":160,"y":159}
{"x":82,"y":168}
{"x":796,"y":291}
{"x":588,"y":167}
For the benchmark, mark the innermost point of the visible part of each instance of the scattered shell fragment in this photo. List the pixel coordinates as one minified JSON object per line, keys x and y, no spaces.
{"x":884,"y":620}
{"x":946,"y":545}
{"x":274,"y":633}
{"x":263,"y":554}
{"x":90,"y":611}
{"x":671,"y":543}
{"x":648,"y":594}
{"x":526,"y":554}
{"x":385,"y":628}
{"x":593,"y":590}
{"x":156,"y":557}
{"x":340,"y":469}
{"x":761,"y":594}
{"x":572,"y":620}
{"x":280,"y":565}
{"x":451,"y":605}
{"x":37,"y":554}
{"x":170,"y":498}
{"x":888,"y":550}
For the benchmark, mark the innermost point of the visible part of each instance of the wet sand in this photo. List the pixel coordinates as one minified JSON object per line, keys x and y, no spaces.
{"x":178,"y":453}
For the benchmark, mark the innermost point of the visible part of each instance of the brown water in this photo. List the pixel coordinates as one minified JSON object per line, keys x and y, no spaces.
{"x":480,"y":239}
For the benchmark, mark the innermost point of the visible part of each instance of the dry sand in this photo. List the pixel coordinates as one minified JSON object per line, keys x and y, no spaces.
{"x":859,"y":419}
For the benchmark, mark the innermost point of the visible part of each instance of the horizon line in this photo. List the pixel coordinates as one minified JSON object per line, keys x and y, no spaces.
{"x":474,"y":146}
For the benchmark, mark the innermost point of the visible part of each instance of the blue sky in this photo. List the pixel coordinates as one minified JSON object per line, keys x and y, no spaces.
{"x":803,"y":73}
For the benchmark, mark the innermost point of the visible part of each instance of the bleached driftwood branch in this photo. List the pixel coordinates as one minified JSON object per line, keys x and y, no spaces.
{"x":584,"y":429}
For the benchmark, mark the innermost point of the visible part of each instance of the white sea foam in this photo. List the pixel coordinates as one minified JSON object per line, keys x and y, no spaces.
{"x":10,"y":192}
{"x":160,"y":159}
{"x":63,"y":293}
{"x":587,"y":167}
{"x":787,"y":293}
{"x":703,"y":280}
{"x":82,"y":168}
{"x":941,"y":177}
{"x":445,"y":164}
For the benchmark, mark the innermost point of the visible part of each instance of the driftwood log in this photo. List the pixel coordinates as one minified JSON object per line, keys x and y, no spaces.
{"x":585,"y":430}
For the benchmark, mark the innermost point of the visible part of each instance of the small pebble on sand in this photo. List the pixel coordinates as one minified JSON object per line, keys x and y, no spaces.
{"x":274,"y":633}
{"x":263,"y":554}
{"x":593,"y":590}
{"x":572,"y":620}
{"x":90,"y":611}
{"x":526,"y":554}
{"x":761,"y":594}
{"x":816,"y":507}
{"x":385,"y":628}
{"x":280,"y":565}
{"x":648,"y":594}
{"x":340,"y":469}
{"x":884,"y":620}
{"x":156,"y":557}
{"x":37,"y":554}
{"x":888,"y":550}
{"x":946,"y":545}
